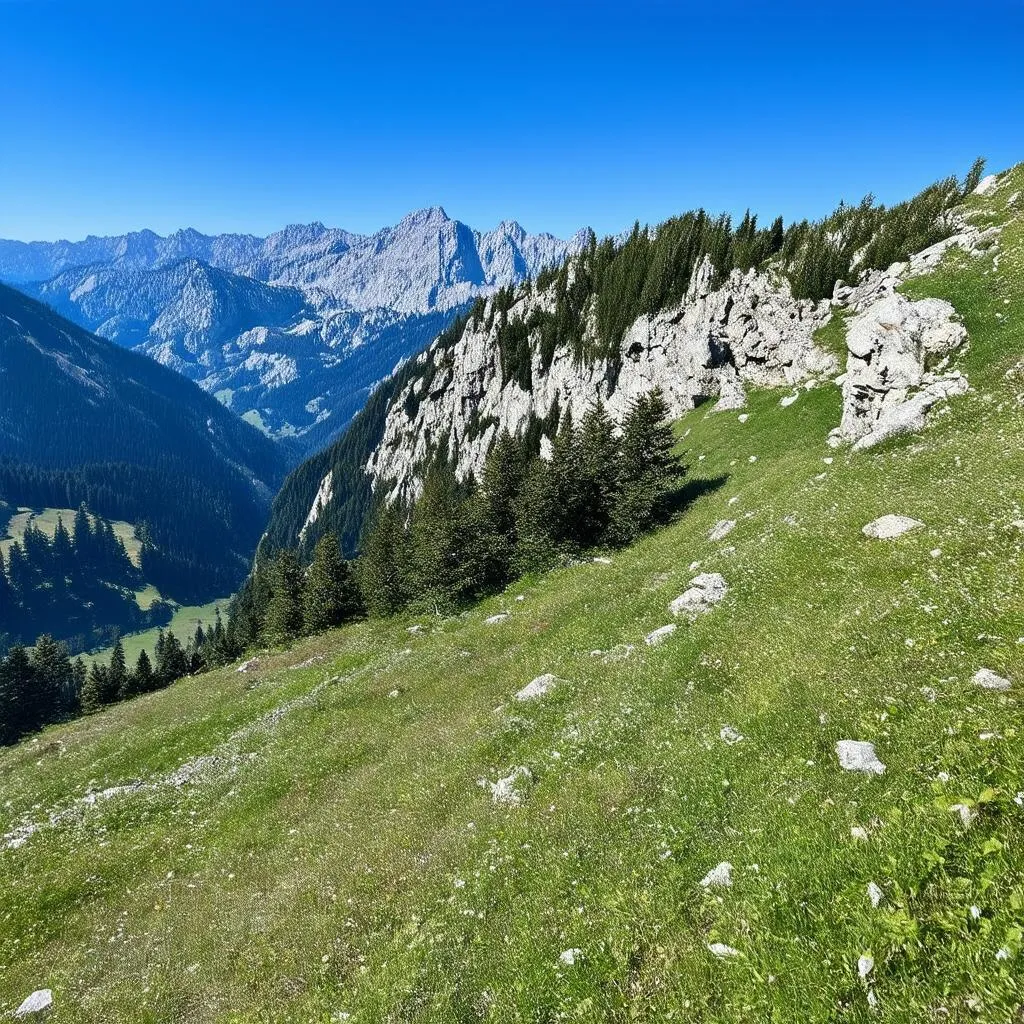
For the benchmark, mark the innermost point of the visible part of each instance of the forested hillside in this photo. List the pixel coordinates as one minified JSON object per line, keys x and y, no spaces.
{"x":84,"y":421}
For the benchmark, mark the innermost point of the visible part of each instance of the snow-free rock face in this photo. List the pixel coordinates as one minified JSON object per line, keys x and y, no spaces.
{"x":748,"y":331}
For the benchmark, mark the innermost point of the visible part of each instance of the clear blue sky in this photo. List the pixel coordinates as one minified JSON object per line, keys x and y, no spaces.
{"x":247,"y":116}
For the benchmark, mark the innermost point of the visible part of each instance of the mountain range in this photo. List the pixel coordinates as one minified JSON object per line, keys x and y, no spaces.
{"x":290,"y":331}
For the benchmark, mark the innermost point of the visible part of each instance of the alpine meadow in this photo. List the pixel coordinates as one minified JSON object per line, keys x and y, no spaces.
{"x":434,"y":623}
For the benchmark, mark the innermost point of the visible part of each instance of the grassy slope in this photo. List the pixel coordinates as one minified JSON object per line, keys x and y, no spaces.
{"x":354,"y":866}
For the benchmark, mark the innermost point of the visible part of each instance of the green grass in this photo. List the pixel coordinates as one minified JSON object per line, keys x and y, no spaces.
{"x":183,"y":624}
{"x":45,"y":519}
{"x":341,"y":858}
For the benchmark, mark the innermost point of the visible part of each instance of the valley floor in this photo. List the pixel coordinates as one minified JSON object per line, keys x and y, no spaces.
{"x":311,"y":840}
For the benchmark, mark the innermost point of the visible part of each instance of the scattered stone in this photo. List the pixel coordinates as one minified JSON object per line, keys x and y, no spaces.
{"x":743,"y":417}
{"x":415,"y":629}
{"x":620,"y":652}
{"x":537,"y":688}
{"x":720,"y":949}
{"x":890,"y":526}
{"x":509,"y":790}
{"x":39,"y":1002}
{"x":988,"y":680}
{"x":520,"y":597}
{"x":874,"y":894}
{"x":569,"y":956}
{"x":721,"y":529}
{"x":704,"y":591}
{"x":248,"y":666}
{"x":493,"y":620}
{"x":727,"y":734}
{"x":967,"y":814}
{"x":602,"y":560}
{"x":719,"y":877}
{"x":858,"y":756}
{"x":788,"y":400}
{"x":394,"y":693}
{"x":859,"y":833}
{"x":865,"y":965}
{"x":659,"y":635}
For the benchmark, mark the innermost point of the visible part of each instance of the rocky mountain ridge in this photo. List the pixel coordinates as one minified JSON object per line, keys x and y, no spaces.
{"x":272,"y":325}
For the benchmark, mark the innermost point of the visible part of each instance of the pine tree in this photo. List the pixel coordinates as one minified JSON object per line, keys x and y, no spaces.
{"x":435,"y":543}
{"x":329,"y":593}
{"x":63,"y":551}
{"x":284,"y":612}
{"x":52,"y":668}
{"x":118,"y":679}
{"x":383,"y":565}
{"x":17,"y":685}
{"x":649,"y":472}
{"x":94,"y":689}
{"x":143,"y":678}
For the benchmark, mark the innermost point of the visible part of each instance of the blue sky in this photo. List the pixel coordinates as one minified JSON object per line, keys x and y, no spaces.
{"x":232,"y":117}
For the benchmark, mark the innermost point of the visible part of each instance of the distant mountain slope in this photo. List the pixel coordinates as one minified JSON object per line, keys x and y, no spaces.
{"x":290,"y":331}
{"x":83,"y":420}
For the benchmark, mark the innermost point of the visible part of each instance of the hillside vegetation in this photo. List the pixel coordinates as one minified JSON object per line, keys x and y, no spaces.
{"x":309,"y":839}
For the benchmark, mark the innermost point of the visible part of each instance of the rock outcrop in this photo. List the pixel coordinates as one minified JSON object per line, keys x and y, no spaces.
{"x":748,"y":331}
{"x":897,"y":352}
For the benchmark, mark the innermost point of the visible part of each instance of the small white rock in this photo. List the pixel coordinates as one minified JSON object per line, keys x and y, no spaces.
{"x":493,"y":620}
{"x":569,"y":956}
{"x":865,"y":965}
{"x":727,"y":734}
{"x":788,"y":400}
{"x":537,"y":687}
{"x":720,"y":949}
{"x":509,"y":789}
{"x":659,"y":635}
{"x":719,"y":877}
{"x":859,"y":833}
{"x":858,"y":756}
{"x":743,"y":417}
{"x":721,"y":529}
{"x":40,"y":1001}
{"x":890,"y":526}
{"x":602,"y":560}
{"x":988,"y":680}
{"x":874,"y":894}
{"x":967,"y":814}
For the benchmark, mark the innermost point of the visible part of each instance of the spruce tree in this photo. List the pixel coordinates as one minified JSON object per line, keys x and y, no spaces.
{"x":52,"y":669}
{"x":383,"y":564}
{"x":597,"y":454}
{"x":17,"y":685}
{"x":284,"y":612}
{"x":435,"y":543}
{"x":94,"y":689}
{"x":118,"y":680}
{"x":537,"y":516}
{"x":329,"y":593}
{"x":143,"y":678}
{"x":649,"y":472}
